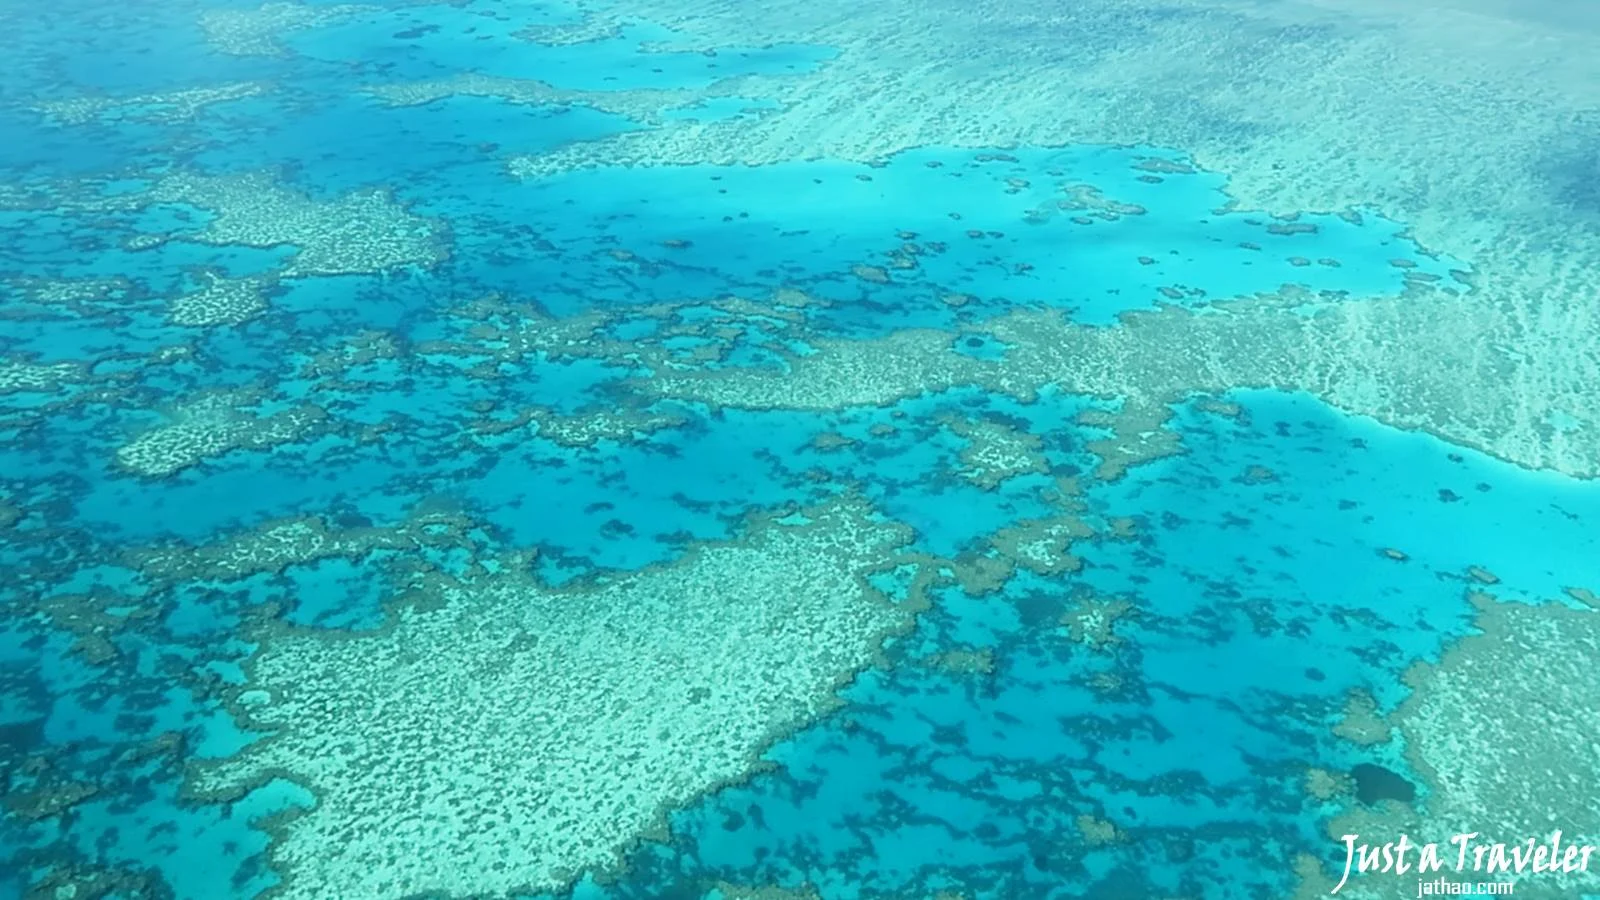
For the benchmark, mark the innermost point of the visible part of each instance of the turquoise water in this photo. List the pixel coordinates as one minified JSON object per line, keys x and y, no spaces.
{"x":450,"y":379}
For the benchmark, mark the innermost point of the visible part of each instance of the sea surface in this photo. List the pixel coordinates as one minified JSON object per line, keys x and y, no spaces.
{"x":380,"y":515}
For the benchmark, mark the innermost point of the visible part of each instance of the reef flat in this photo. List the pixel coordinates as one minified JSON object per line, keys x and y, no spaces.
{"x":1312,"y":105}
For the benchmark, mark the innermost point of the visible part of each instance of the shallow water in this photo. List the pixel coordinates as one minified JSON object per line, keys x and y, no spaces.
{"x":407,"y":489}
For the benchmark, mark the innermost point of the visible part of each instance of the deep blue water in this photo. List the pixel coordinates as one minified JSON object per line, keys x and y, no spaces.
{"x":1260,"y":601}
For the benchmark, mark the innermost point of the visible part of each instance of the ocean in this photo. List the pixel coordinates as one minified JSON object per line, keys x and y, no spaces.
{"x":595,"y":450}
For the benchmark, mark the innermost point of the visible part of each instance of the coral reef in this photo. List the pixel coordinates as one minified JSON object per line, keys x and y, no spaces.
{"x":1295,"y":100}
{"x":270,"y":547}
{"x":499,"y":329}
{"x":530,"y":734}
{"x":21,"y":377}
{"x":995,"y":451}
{"x":1360,"y":722}
{"x":1043,"y":546}
{"x":361,"y":232}
{"x":1091,"y":621}
{"x":256,"y":32}
{"x":1137,"y":435}
{"x":1162,"y":356}
{"x":1323,"y":786}
{"x":644,"y":106}
{"x":80,"y":296}
{"x":1491,"y":732}
{"x":222,"y":301}
{"x":615,"y":425}
{"x":209,"y":425}
{"x":173,"y":106}
{"x":596,"y":25}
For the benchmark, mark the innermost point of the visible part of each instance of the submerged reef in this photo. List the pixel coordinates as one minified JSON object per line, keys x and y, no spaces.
{"x":212,"y":424}
{"x":258,"y":31}
{"x":1375,"y":105}
{"x":459,"y":450}
{"x":1490,"y":732}
{"x":359,"y":232}
{"x":174,"y":106}
{"x":1152,"y":358}
{"x":529,"y":735}
{"x":221,"y":302}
